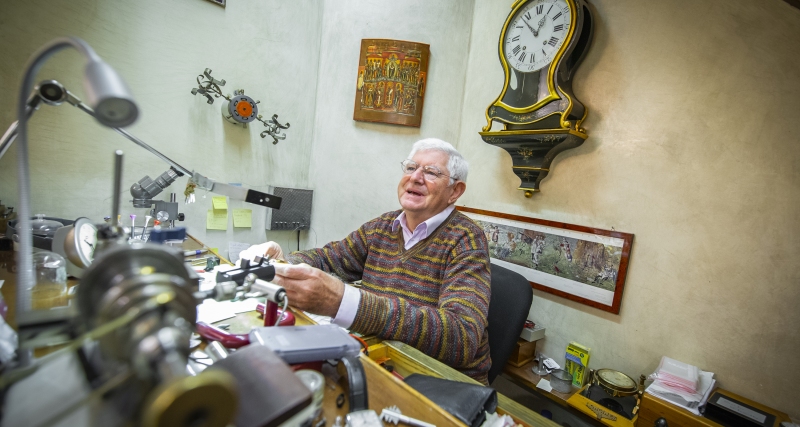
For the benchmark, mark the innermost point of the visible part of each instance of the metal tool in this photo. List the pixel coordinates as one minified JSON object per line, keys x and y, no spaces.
{"x":392,"y":414}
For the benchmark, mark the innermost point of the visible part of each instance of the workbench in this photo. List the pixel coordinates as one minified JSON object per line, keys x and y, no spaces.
{"x":384,"y":388}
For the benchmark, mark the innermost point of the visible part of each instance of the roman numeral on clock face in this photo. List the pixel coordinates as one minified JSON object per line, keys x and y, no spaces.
{"x":539,"y":9}
{"x":556,"y":16}
{"x":528,"y":16}
{"x":516,"y":50}
{"x":558,"y":27}
{"x":552,"y":41}
{"x":522,"y":57}
{"x":515,"y":39}
{"x":533,"y":56}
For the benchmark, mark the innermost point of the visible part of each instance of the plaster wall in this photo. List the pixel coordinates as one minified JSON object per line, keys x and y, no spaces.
{"x":268,"y":48}
{"x":693,"y":148}
{"x":355,"y":166}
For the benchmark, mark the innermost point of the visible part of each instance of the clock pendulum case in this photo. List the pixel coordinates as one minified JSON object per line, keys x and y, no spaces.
{"x":541,"y":44}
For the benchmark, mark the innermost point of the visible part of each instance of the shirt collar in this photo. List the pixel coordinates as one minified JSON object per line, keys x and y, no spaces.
{"x":430,"y":224}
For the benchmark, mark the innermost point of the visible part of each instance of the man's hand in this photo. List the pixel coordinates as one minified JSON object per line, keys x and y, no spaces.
{"x":273,"y":250}
{"x":310,"y":289}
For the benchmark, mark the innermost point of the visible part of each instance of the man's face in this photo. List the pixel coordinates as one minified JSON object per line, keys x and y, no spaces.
{"x":422,"y":199}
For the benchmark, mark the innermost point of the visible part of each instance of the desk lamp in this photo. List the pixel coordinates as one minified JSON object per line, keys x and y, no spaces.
{"x":113,"y":106}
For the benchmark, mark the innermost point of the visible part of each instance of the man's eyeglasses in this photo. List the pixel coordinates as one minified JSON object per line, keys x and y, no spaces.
{"x":429,"y":172}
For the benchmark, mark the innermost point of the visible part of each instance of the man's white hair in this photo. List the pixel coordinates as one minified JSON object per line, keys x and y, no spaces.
{"x":457,"y":166}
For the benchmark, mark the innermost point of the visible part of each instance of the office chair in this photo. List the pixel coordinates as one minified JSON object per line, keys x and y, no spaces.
{"x":508,"y":309}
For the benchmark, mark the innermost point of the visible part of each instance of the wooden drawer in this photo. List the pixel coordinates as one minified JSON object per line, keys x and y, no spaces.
{"x":653,"y":408}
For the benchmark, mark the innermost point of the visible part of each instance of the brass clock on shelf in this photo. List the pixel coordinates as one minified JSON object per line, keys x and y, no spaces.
{"x":615,"y":383}
{"x":541,"y":44}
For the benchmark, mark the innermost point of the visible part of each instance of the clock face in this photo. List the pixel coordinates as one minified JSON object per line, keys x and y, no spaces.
{"x":616,"y":379}
{"x":87,"y":240}
{"x":536,"y":33}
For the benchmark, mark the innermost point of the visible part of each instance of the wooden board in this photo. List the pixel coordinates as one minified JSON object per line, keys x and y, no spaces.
{"x":407,"y":360}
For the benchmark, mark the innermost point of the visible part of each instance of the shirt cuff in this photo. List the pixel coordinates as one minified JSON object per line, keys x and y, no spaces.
{"x":348,"y":308}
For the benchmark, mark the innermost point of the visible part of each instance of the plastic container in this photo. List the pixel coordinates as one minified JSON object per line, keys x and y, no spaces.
{"x":50,"y":290}
{"x":561,"y":381}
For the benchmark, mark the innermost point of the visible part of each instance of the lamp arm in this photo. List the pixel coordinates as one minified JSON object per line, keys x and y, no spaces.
{"x":74,"y":100}
{"x":25,"y":277}
{"x":34,"y":100}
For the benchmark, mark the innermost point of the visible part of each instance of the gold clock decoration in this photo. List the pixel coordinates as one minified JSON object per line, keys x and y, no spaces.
{"x":541,"y":44}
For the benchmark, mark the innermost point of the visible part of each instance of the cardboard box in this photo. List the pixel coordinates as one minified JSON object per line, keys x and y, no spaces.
{"x":523,"y":353}
{"x":577,"y":360}
{"x":534,"y":334}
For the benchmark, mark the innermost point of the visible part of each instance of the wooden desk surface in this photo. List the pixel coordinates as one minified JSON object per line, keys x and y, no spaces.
{"x":525,"y":377}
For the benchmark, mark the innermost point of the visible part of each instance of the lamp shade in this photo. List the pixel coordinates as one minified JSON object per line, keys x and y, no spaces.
{"x":108,"y":95}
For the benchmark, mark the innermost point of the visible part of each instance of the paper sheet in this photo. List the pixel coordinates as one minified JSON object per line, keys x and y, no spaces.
{"x":220,"y":202}
{"x":235,"y":248}
{"x":243,"y":218}
{"x":244,"y":306}
{"x":211,"y":311}
{"x":217,"y":219}
{"x":544,"y":385}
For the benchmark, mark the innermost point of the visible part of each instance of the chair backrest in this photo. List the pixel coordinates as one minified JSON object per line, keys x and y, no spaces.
{"x":508,"y":309}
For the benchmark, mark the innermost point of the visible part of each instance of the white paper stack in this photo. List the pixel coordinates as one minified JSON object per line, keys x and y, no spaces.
{"x":681,"y":384}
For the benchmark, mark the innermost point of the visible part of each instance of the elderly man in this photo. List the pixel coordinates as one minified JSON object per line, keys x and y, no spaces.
{"x":424,"y":270}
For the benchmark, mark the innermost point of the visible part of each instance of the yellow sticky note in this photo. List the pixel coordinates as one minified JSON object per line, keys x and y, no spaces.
{"x":243,"y":218}
{"x":220,"y":202}
{"x":217,"y":219}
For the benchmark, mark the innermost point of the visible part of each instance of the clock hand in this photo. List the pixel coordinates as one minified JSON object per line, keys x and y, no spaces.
{"x":535,"y":32}
{"x":541,"y":22}
{"x":90,"y":245}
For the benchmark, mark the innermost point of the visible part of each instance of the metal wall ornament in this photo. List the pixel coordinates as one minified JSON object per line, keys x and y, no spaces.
{"x":392,"y":75}
{"x":541,"y":44}
{"x":240,"y":108}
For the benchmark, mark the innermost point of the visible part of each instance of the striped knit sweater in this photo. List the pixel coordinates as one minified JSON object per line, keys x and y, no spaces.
{"x":434,"y":296}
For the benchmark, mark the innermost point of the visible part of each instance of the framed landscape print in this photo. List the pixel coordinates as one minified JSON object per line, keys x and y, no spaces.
{"x":582,"y":264}
{"x":390,"y":87}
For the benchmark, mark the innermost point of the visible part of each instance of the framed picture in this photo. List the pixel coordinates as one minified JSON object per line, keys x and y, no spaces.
{"x":582,"y":264}
{"x":390,"y":86}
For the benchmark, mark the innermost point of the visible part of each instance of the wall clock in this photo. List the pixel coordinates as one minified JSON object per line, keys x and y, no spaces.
{"x":541,"y":44}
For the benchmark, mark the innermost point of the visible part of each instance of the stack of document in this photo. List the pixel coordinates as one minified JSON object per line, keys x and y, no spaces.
{"x":681,"y":384}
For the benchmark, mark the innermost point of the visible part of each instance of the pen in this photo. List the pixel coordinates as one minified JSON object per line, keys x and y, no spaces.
{"x":195,"y":252}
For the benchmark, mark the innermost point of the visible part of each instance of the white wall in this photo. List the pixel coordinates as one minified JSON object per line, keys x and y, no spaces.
{"x":355,"y":166}
{"x":693,"y":146}
{"x":268,"y":48}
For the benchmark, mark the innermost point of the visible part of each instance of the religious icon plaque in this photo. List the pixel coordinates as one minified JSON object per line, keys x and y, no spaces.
{"x":391,"y":81}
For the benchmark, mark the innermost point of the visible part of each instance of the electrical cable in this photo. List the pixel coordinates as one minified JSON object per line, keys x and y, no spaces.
{"x":285,"y":305}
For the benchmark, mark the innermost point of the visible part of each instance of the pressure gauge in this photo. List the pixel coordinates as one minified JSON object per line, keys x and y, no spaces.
{"x":80,"y":242}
